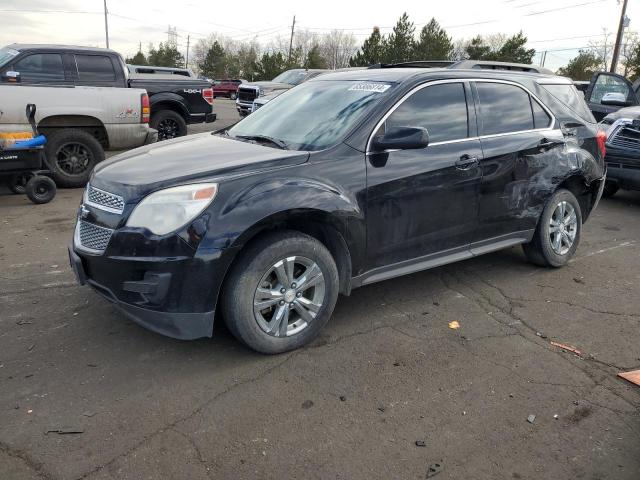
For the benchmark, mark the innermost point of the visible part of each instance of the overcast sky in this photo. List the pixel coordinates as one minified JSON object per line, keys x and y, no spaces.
{"x":560,"y":26}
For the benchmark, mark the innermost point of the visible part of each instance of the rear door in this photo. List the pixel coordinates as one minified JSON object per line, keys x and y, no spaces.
{"x":517,"y":138}
{"x":603,"y":83}
{"x":424,"y":202}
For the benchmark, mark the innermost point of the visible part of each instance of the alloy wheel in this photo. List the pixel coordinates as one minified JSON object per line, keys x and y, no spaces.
{"x":289,"y":296}
{"x":563,"y":227}
{"x":167,"y":129}
{"x":73,"y":158}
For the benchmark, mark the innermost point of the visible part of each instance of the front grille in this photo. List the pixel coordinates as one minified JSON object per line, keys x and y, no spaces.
{"x":105,"y":200}
{"x":626,"y":138}
{"x":93,"y":237}
{"x":247,"y":94}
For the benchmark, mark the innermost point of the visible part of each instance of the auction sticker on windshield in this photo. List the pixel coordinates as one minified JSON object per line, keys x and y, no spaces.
{"x":370,"y":87}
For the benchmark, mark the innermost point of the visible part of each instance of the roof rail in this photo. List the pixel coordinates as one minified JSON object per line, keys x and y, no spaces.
{"x":490,"y":65}
{"x":467,"y":64}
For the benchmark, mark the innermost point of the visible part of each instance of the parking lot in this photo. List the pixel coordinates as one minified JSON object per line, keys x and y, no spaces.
{"x":389,"y":390}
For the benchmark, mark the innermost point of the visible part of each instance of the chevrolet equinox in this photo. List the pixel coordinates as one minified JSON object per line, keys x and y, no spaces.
{"x":347,"y":179}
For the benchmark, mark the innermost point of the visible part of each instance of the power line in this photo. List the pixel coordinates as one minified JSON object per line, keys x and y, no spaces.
{"x":563,"y":8}
{"x":83,"y":12}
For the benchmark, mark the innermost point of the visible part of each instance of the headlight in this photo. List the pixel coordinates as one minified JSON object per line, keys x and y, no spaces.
{"x":261,"y":93}
{"x":167,"y":210}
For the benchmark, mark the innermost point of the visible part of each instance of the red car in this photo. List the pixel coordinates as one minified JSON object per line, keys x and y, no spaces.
{"x":226,"y":88}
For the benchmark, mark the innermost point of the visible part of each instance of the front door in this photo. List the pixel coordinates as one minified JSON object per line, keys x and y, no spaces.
{"x":425,"y":201}
{"x":603,"y":83}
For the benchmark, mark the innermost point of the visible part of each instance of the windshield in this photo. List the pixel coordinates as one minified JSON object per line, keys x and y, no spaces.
{"x":314,"y":115}
{"x":292,"y":77}
{"x":7,"y":54}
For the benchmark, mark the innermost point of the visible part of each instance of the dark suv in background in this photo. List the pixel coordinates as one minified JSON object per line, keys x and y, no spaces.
{"x":348,"y":179}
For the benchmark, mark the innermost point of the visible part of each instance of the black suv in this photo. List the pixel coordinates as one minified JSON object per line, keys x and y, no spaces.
{"x":347,"y":179}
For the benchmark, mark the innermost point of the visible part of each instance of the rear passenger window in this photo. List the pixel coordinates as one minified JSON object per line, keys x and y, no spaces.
{"x":95,"y":68}
{"x":541,"y":118}
{"x":504,"y":108}
{"x":441,"y":109}
{"x":41,"y":68}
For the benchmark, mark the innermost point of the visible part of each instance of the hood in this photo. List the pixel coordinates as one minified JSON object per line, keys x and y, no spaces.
{"x":632,"y":113}
{"x":268,"y":86}
{"x":192,"y":158}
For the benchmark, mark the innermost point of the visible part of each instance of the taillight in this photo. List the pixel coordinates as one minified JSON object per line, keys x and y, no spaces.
{"x":601,"y":138}
{"x":145,"y":108}
{"x":207,"y":94}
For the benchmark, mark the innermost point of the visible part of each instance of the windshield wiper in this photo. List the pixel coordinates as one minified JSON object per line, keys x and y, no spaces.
{"x":265,"y":138}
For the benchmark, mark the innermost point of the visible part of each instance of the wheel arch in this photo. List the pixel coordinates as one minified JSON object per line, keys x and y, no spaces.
{"x":169,"y":101}
{"x":87,"y":123}
{"x":584,"y":192}
{"x":321,"y":225}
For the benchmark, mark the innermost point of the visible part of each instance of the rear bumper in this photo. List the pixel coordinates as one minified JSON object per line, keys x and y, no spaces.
{"x":210,"y":117}
{"x":130,"y":135}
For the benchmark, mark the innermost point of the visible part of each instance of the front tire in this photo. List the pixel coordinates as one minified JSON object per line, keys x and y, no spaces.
{"x":169,"y":124}
{"x":71,"y":155}
{"x":557,"y":235}
{"x":281,"y":292}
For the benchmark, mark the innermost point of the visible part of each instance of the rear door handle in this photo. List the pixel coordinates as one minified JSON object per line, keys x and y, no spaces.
{"x":466,"y":162}
{"x":544,"y":143}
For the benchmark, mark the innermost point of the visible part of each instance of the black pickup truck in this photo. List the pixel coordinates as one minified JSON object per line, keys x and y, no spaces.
{"x":175,"y":100}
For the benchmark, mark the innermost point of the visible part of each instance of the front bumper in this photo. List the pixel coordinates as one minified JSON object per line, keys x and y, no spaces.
{"x":173,"y":296}
{"x":244,"y":108}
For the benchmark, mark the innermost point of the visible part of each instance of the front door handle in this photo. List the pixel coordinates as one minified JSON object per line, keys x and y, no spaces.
{"x":466,"y":162}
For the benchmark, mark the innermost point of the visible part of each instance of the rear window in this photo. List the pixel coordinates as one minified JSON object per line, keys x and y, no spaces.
{"x":572,"y":99}
{"x":95,"y":68}
{"x":504,"y":108}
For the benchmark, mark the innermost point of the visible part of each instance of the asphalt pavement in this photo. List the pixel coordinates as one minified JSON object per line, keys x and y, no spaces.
{"x":389,"y":390}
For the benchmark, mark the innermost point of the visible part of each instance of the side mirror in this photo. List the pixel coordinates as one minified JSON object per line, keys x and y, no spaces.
{"x":401,"y":138}
{"x":615,"y":99}
{"x":10,"y":77}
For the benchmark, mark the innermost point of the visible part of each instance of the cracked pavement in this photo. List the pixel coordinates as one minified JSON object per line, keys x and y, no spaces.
{"x":386,"y":372}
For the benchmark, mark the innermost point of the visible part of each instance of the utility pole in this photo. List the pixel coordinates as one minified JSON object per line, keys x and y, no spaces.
{"x":616,"y":49}
{"x":293,"y":25}
{"x":186,"y":62}
{"x":543,"y":58}
{"x":106,"y":23}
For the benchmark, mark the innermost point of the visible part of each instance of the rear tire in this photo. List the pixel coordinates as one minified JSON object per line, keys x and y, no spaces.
{"x":71,"y":155}
{"x":169,"y":124}
{"x":41,"y":189}
{"x":294,"y":278}
{"x":610,"y":189}
{"x":557,"y":235}
{"x":18,"y":183}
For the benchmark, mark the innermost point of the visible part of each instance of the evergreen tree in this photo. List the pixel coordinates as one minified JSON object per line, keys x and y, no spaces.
{"x":213,"y":65}
{"x":434,"y":43}
{"x":632,"y":63}
{"x":315,"y":59}
{"x":513,"y":50}
{"x":399,"y":45}
{"x":166,"y":55}
{"x":581,"y":67}
{"x":137,"y":59}
{"x":270,"y":66}
{"x":370,"y":52}
{"x":478,"y":50}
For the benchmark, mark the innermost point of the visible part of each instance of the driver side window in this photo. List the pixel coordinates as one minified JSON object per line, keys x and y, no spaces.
{"x":441,"y":109}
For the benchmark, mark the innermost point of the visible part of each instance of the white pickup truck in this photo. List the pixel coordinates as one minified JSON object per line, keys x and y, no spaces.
{"x":78,"y":109}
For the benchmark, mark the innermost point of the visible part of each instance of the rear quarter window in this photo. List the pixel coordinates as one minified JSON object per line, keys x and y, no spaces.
{"x":569,"y":96}
{"x":95,"y":68}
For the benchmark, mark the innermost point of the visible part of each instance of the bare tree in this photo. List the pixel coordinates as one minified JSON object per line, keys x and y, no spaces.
{"x":628,"y":50}
{"x":602,"y":49}
{"x":337,"y":48}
